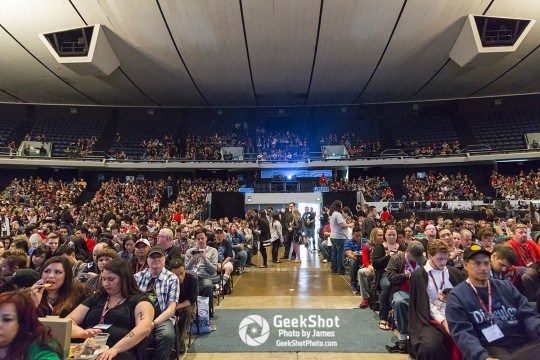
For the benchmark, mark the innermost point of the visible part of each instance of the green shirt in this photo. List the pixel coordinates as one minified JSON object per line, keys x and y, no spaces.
{"x":37,"y":353}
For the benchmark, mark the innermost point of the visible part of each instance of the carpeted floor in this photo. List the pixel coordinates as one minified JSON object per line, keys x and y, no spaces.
{"x":275,"y":330}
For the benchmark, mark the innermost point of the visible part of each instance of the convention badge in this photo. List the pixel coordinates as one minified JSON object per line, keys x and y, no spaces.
{"x":102,"y":326}
{"x":492,"y":333}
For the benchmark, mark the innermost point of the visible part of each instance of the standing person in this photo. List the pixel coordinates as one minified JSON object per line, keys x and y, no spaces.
{"x":369,"y":221}
{"x":308,"y":217}
{"x":264,"y":237}
{"x":338,"y":236}
{"x":22,"y":335}
{"x":489,"y":318}
{"x":276,"y":235}
{"x":287,"y":229}
{"x":297,"y":229}
{"x":4,"y":222}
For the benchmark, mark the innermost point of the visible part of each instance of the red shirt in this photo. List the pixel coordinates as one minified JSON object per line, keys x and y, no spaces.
{"x":385,"y":216}
{"x":528,"y":253}
{"x":90,"y":244}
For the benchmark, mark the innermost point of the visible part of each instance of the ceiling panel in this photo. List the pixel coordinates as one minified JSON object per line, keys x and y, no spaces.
{"x":281,"y":37}
{"x":352,"y":38}
{"x":140,"y":38}
{"x":458,"y":82}
{"x":419,"y":48}
{"x":209,"y":34}
{"x":24,"y":77}
{"x":114,"y":89}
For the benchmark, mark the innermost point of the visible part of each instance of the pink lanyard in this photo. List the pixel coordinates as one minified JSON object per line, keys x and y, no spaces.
{"x":489,"y":309}
{"x":106,"y":309}
{"x":435,"y":283}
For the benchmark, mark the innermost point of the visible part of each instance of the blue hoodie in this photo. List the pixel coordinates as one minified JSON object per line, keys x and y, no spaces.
{"x":518,"y":321}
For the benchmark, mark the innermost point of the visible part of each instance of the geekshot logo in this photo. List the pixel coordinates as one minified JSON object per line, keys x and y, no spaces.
{"x":254,"y":330}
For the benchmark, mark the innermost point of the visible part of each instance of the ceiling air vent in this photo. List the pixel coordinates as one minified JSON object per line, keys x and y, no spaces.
{"x":484,"y":40}
{"x":84,"y":50}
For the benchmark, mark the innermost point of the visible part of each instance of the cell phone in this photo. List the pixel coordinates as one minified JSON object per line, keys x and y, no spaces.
{"x":446,"y":291}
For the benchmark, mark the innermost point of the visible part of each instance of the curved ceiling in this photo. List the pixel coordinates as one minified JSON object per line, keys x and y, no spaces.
{"x":219,"y":53}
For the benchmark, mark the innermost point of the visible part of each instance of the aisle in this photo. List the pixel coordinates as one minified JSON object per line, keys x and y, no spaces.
{"x":289,"y":286}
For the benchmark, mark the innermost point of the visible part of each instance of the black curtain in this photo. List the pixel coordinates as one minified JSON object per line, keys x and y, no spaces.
{"x":348,"y":198}
{"x":228,"y":204}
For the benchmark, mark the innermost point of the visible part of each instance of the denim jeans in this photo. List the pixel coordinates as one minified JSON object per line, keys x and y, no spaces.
{"x":338,"y":254}
{"x":162,"y":339}
{"x":242,"y":257}
{"x":400,"y":304}
{"x":354,"y":265}
{"x":326,"y":250}
{"x":384,"y":297}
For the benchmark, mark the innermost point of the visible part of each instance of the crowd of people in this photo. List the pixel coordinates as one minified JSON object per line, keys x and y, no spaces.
{"x":440,"y":187}
{"x":164,"y":149}
{"x":373,"y":188}
{"x":209,"y":147}
{"x":81,"y":147}
{"x":519,"y":187}
{"x":356,"y":146}
{"x":413,"y":149}
{"x":281,"y":146}
{"x":413,"y":272}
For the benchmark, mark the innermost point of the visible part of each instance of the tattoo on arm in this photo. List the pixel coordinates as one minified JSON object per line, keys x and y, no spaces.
{"x":130,"y":334}
{"x":141,"y":316}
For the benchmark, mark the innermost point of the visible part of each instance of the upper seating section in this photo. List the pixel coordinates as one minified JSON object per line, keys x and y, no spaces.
{"x":65,"y":133}
{"x":503,"y":130}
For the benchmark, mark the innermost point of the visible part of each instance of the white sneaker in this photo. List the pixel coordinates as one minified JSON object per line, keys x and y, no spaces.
{"x":324,"y":261}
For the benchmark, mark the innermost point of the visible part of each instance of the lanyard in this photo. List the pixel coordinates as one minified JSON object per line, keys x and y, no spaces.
{"x":524,"y":254}
{"x":409,"y":264}
{"x":486,"y":310}
{"x":106,"y":309}
{"x":435,"y":283}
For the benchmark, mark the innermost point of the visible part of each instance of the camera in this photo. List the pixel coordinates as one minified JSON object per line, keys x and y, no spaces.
{"x":195,"y":252}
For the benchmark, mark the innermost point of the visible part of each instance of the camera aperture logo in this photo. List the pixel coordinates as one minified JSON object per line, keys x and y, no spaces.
{"x":254,"y":330}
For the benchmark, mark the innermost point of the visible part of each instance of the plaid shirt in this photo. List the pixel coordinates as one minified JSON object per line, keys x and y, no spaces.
{"x":167,"y":286}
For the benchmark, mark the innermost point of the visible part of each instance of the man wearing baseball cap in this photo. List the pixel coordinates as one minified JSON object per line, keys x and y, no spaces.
{"x":139,"y":263}
{"x":163,"y":289}
{"x":399,"y":271}
{"x":489,"y":318}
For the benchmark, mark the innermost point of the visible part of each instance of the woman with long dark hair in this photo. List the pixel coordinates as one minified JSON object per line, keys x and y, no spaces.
{"x":57,"y":293}
{"x":82,"y":251}
{"x":264,"y":237}
{"x":276,"y":236}
{"x":40,"y":254}
{"x":338,"y":235}
{"x":22,"y":335}
{"x":121,"y":303}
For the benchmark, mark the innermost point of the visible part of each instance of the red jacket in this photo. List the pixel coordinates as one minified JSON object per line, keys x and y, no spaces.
{"x":530,"y":253}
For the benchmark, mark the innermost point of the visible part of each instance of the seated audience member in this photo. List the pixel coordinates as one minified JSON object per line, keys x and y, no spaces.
{"x":165,"y":239}
{"x":366,"y":273}
{"x":430,"y":286}
{"x":21,"y":279}
{"x":485,"y":238}
{"x":83,"y":233}
{"x":162,"y":288}
{"x":69,"y":253}
{"x":92,"y":270}
{"x":23,"y":336}
{"x":58,"y":293}
{"x":139,"y":263}
{"x":527,"y":251}
{"x":399,"y":271}
{"x":13,"y":260}
{"x":489,"y":318}
{"x":81,"y":250}
{"x":203,"y":261}
{"x":187,"y":301}
{"x":21,"y":244}
{"x":40,"y":254}
{"x":353,"y":254}
{"x":53,"y":241}
{"x":503,"y":259}
{"x":120,"y":304}
{"x":225,"y":255}
{"x":531,"y":282}
{"x":102,"y":259}
{"x":35,"y":240}
{"x":128,"y":246}
{"x":184,"y":242}
{"x":237,"y":241}
{"x":379,"y":259}
{"x":326,"y":244}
